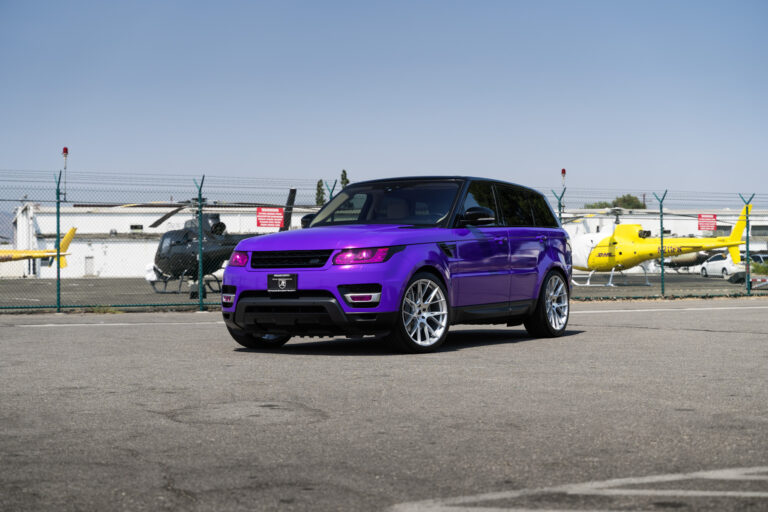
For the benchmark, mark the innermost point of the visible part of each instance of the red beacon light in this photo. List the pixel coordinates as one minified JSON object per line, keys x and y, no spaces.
{"x":65,"y":151}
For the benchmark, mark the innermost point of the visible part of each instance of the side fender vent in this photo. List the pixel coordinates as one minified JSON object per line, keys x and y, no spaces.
{"x":448,"y":249}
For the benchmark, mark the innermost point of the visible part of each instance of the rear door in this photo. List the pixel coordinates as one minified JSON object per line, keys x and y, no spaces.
{"x":480,"y":273}
{"x":526,"y":241}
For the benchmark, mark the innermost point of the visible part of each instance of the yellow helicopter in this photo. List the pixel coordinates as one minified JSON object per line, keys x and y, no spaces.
{"x":630,"y":245}
{"x":28,"y":254}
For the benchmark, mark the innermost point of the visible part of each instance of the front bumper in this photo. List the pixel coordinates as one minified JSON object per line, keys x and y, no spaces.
{"x":304,"y":313}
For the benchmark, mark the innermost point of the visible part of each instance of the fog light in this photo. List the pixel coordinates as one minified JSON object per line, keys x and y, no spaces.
{"x":362,"y":298}
{"x":227,"y":300}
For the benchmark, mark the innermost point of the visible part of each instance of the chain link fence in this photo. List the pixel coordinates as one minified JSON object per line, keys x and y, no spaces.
{"x":142,"y":240}
{"x":619,"y":237}
{"x":137,"y":240}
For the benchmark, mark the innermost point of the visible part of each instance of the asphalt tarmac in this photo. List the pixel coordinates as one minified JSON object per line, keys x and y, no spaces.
{"x":114,"y":293}
{"x":652,"y":405}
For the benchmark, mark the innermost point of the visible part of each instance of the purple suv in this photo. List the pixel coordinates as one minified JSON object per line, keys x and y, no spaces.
{"x":404,"y":258}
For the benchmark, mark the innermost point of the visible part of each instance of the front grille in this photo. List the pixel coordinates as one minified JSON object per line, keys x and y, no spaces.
{"x":289,"y":259}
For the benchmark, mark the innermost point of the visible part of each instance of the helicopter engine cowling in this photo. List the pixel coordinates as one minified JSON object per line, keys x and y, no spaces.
{"x":218,"y":228}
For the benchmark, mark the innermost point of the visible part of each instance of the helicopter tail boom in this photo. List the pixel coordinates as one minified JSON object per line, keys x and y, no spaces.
{"x":737,"y":232}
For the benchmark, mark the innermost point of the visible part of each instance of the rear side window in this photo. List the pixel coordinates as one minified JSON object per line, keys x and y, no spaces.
{"x":542,"y":213}
{"x":480,"y":193}
{"x":516,"y":206}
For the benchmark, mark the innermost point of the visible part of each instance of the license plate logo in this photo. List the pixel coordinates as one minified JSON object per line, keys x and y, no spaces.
{"x":282,"y":282}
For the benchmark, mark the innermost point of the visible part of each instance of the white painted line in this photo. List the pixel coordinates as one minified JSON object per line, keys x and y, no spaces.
{"x":656,"y":310}
{"x":602,"y":488}
{"x":219,"y":322}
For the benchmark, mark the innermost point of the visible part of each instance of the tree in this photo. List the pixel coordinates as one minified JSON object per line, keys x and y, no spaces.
{"x":344,"y":179}
{"x":627,"y":201}
{"x":320,"y":194}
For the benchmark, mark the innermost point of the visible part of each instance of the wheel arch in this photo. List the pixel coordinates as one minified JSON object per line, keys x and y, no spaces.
{"x":560,"y":270}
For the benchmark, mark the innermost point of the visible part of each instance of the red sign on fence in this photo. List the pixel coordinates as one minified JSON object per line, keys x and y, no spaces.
{"x":707,"y":222}
{"x":269,"y":217}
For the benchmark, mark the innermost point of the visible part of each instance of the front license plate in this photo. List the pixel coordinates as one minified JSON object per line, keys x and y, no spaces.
{"x":281,"y":282}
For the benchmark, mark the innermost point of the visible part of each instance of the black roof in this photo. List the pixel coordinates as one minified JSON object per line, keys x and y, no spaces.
{"x":439,"y":178}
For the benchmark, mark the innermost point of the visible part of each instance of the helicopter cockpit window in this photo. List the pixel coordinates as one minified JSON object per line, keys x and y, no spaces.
{"x":165,"y":245}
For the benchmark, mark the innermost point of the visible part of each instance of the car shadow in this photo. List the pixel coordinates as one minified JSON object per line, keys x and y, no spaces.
{"x":457,"y":340}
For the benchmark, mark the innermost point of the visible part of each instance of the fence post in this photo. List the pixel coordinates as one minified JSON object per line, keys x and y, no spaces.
{"x":330,"y":189}
{"x":200,"y":276}
{"x":748,"y":273}
{"x":559,"y":203}
{"x":58,"y":243}
{"x":661,"y":235}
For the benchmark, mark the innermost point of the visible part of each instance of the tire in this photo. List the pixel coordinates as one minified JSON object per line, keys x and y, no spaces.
{"x":725,"y":273}
{"x":552,"y":308}
{"x":423,"y":318}
{"x":703,"y":272}
{"x":249,"y":340}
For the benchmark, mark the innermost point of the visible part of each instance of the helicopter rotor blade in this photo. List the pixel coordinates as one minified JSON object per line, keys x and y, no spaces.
{"x":167,"y":216}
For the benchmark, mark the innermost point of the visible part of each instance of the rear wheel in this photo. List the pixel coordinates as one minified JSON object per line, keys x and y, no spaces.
{"x":249,"y":340}
{"x":423,"y":319}
{"x":725,"y":273}
{"x":552,"y":309}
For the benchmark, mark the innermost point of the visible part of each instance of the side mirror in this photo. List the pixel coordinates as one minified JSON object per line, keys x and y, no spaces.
{"x":307,"y":220}
{"x":478,"y":216}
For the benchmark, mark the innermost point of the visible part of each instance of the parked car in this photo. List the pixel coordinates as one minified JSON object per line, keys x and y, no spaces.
{"x":757,"y":258}
{"x":404,"y":258}
{"x":719,"y":264}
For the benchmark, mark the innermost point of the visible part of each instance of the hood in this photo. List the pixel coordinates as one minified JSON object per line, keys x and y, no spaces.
{"x":342,"y":237}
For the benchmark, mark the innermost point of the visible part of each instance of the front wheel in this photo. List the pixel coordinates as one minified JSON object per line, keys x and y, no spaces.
{"x":703,"y":272}
{"x":552,"y":308}
{"x":423,"y":318}
{"x":249,"y":340}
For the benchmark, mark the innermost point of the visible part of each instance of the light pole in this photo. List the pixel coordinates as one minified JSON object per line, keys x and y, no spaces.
{"x":560,"y":198}
{"x":65,"y":154}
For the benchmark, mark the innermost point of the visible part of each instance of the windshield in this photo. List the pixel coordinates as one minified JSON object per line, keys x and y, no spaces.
{"x":418,"y":203}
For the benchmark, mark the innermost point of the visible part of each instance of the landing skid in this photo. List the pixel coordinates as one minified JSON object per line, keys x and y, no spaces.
{"x":610,"y":279}
{"x":211,"y":283}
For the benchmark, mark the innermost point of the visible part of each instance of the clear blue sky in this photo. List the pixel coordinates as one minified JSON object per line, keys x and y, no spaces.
{"x":660,"y":94}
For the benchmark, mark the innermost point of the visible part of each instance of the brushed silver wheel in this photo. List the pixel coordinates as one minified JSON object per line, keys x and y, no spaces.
{"x":425,"y":312}
{"x":550,"y":317}
{"x":556,"y":302}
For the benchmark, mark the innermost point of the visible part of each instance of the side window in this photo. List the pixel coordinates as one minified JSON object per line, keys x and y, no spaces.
{"x":542,"y":213}
{"x":515,"y":206}
{"x":480,"y":193}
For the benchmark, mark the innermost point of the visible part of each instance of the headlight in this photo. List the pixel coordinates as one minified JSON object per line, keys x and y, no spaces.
{"x":238,"y":259}
{"x":358,"y":256}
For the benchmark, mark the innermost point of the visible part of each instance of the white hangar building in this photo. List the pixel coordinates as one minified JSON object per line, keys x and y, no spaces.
{"x":113,"y":241}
